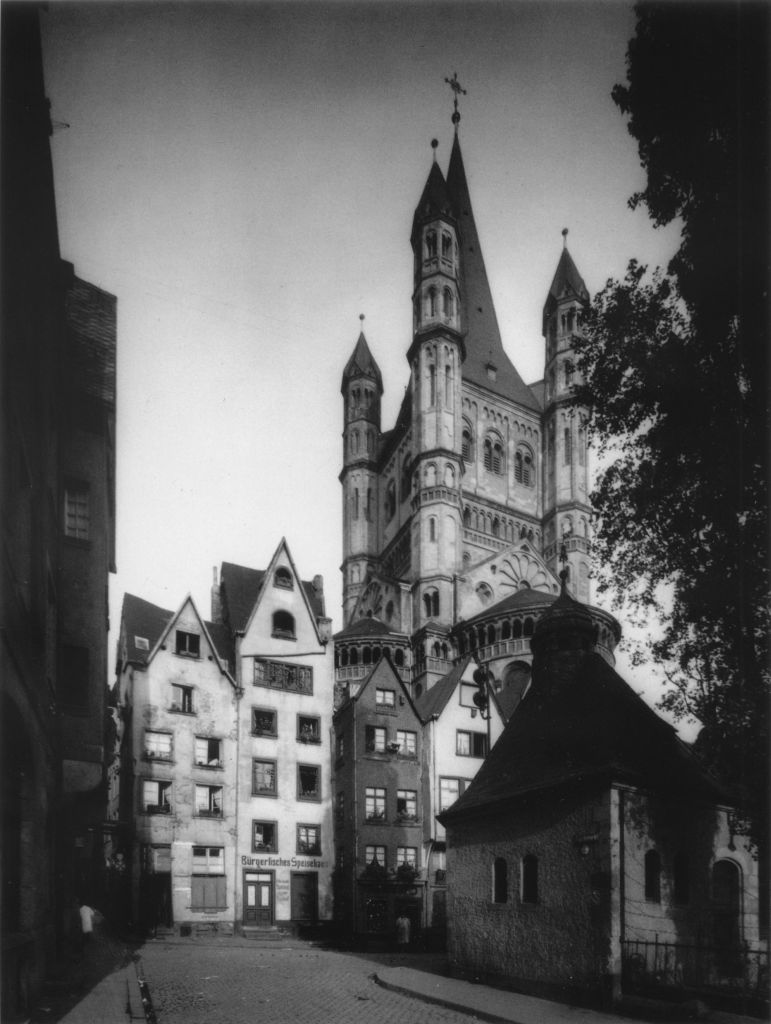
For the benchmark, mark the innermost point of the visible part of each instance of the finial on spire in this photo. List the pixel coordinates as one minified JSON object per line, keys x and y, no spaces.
{"x":455,"y":85}
{"x":361,"y":317}
{"x":434,"y":144}
{"x":564,"y":238}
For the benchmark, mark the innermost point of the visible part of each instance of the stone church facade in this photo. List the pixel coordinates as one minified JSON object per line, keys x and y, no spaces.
{"x":458,"y":515}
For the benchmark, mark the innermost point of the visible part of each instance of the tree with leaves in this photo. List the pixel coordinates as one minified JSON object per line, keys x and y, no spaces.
{"x":674,"y":369}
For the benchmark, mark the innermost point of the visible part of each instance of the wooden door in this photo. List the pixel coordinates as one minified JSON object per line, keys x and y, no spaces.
{"x":304,"y":896}
{"x":258,"y":898}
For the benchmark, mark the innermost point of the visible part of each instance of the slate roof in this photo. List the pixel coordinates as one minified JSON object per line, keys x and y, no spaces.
{"x":434,"y":700}
{"x":147,"y":621}
{"x":91,"y":326}
{"x":566,"y":283}
{"x":366,"y":626}
{"x":480,"y":325}
{"x":363,"y":363}
{"x":594,"y":727}
{"x":242,"y":588}
{"x":520,"y":600}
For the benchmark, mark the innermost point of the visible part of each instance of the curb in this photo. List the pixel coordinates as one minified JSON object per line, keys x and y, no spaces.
{"x":448,"y":1004}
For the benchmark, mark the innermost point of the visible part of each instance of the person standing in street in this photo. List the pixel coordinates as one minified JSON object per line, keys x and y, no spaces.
{"x":403,"y":927}
{"x":87,"y":915}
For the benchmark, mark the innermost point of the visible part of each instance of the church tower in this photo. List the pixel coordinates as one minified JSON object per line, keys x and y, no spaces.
{"x":435,"y":359}
{"x":362,"y":388}
{"x":566,"y":506}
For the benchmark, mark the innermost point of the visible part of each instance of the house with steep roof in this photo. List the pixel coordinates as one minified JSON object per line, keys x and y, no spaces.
{"x":380,"y":809}
{"x":592,"y":856}
{"x":283,"y":665}
{"x":173,"y":799}
{"x":221,"y":794}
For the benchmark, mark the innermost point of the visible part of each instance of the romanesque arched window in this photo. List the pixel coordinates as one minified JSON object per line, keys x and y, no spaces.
{"x":446,"y":246}
{"x":500,"y":881}
{"x":568,"y":453}
{"x":529,"y":878}
{"x":466,"y":442}
{"x":430,"y":244}
{"x":448,"y":302}
{"x":467,"y":517}
{"x":523,"y":466}
{"x":493,"y":455}
{"x":390,"y":501}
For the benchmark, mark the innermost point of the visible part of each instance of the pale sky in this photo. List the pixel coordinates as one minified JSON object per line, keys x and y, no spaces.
{"x":243,"y":178}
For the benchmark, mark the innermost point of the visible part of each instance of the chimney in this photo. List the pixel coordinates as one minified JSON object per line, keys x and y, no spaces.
{"x":216,"y":603}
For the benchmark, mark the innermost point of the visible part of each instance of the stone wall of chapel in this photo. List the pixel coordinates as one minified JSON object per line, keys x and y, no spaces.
{"x":560,"y":939}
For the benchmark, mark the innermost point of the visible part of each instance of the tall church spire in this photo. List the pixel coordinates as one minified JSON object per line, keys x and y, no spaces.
{"x":486,"y":361}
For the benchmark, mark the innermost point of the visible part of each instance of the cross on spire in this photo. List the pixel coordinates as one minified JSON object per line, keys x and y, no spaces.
{"x":455,"y":85}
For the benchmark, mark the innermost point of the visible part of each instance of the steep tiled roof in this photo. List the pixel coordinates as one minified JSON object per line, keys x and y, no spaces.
{"x":91,"y":325}
{"x":567,"y":281}
{"x":434,"y":200}
{"x":519,"y":601}
{"x":362,"y":363}
{"x":593,"y":727}
{"x":242,"y":587}
{"x":366,"y":626}
{"x":223,"y":642}
{"x":434,"y":700}
{"x":143,"y":621}
{"x":482,"y":336}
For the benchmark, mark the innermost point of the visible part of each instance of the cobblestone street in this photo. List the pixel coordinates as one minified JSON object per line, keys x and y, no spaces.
{"x":227,"y":984}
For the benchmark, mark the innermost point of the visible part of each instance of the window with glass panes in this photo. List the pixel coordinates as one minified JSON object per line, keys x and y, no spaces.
{"x":407,"y":803}
{"x":375,"y":739}
{"x":407,"y":855}
{"x":208,"y":801}
{"x":385,"y":698}
{"x":470,"y":744}
{"x":158,"y":745}
{"x":374,"y":803}
{"x":264,"y":837}
{"x":450,"y":790}
{"x":309,"y":839}
{"x":308,"y":782}
{"x":376,"y":855}
{"x":208,"y":752}
{"x":408,"y":742}
{"x":263,"y":778}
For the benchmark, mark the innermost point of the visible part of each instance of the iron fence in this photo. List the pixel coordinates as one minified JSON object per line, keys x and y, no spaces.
{"x":729,"y":969}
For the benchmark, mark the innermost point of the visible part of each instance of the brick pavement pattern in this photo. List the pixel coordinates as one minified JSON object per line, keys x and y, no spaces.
{"x":216,"y":984}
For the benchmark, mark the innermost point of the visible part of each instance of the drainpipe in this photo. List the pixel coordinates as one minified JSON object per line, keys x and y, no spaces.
{"x":354,"y":879}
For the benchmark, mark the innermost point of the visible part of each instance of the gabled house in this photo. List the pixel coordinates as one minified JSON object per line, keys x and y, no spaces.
{"x":175,"y":806}
{"x":379,"y":808}
{"x":592,"y":856}
{"x":285,"y":674}
{"x":458,"y":733}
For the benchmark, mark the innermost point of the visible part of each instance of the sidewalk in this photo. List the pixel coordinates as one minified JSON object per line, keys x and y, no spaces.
{"x":498,"y":1005}
{"x":115,"y":996}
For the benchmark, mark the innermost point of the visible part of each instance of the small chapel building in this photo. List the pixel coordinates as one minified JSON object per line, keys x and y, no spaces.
{"x":592,"y":856}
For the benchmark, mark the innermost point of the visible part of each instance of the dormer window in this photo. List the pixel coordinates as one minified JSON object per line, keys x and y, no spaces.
{"x":283,"y":578}
{"x":431,"y":244}
{"x":283,"y":625}
{"x":188,"y":644}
